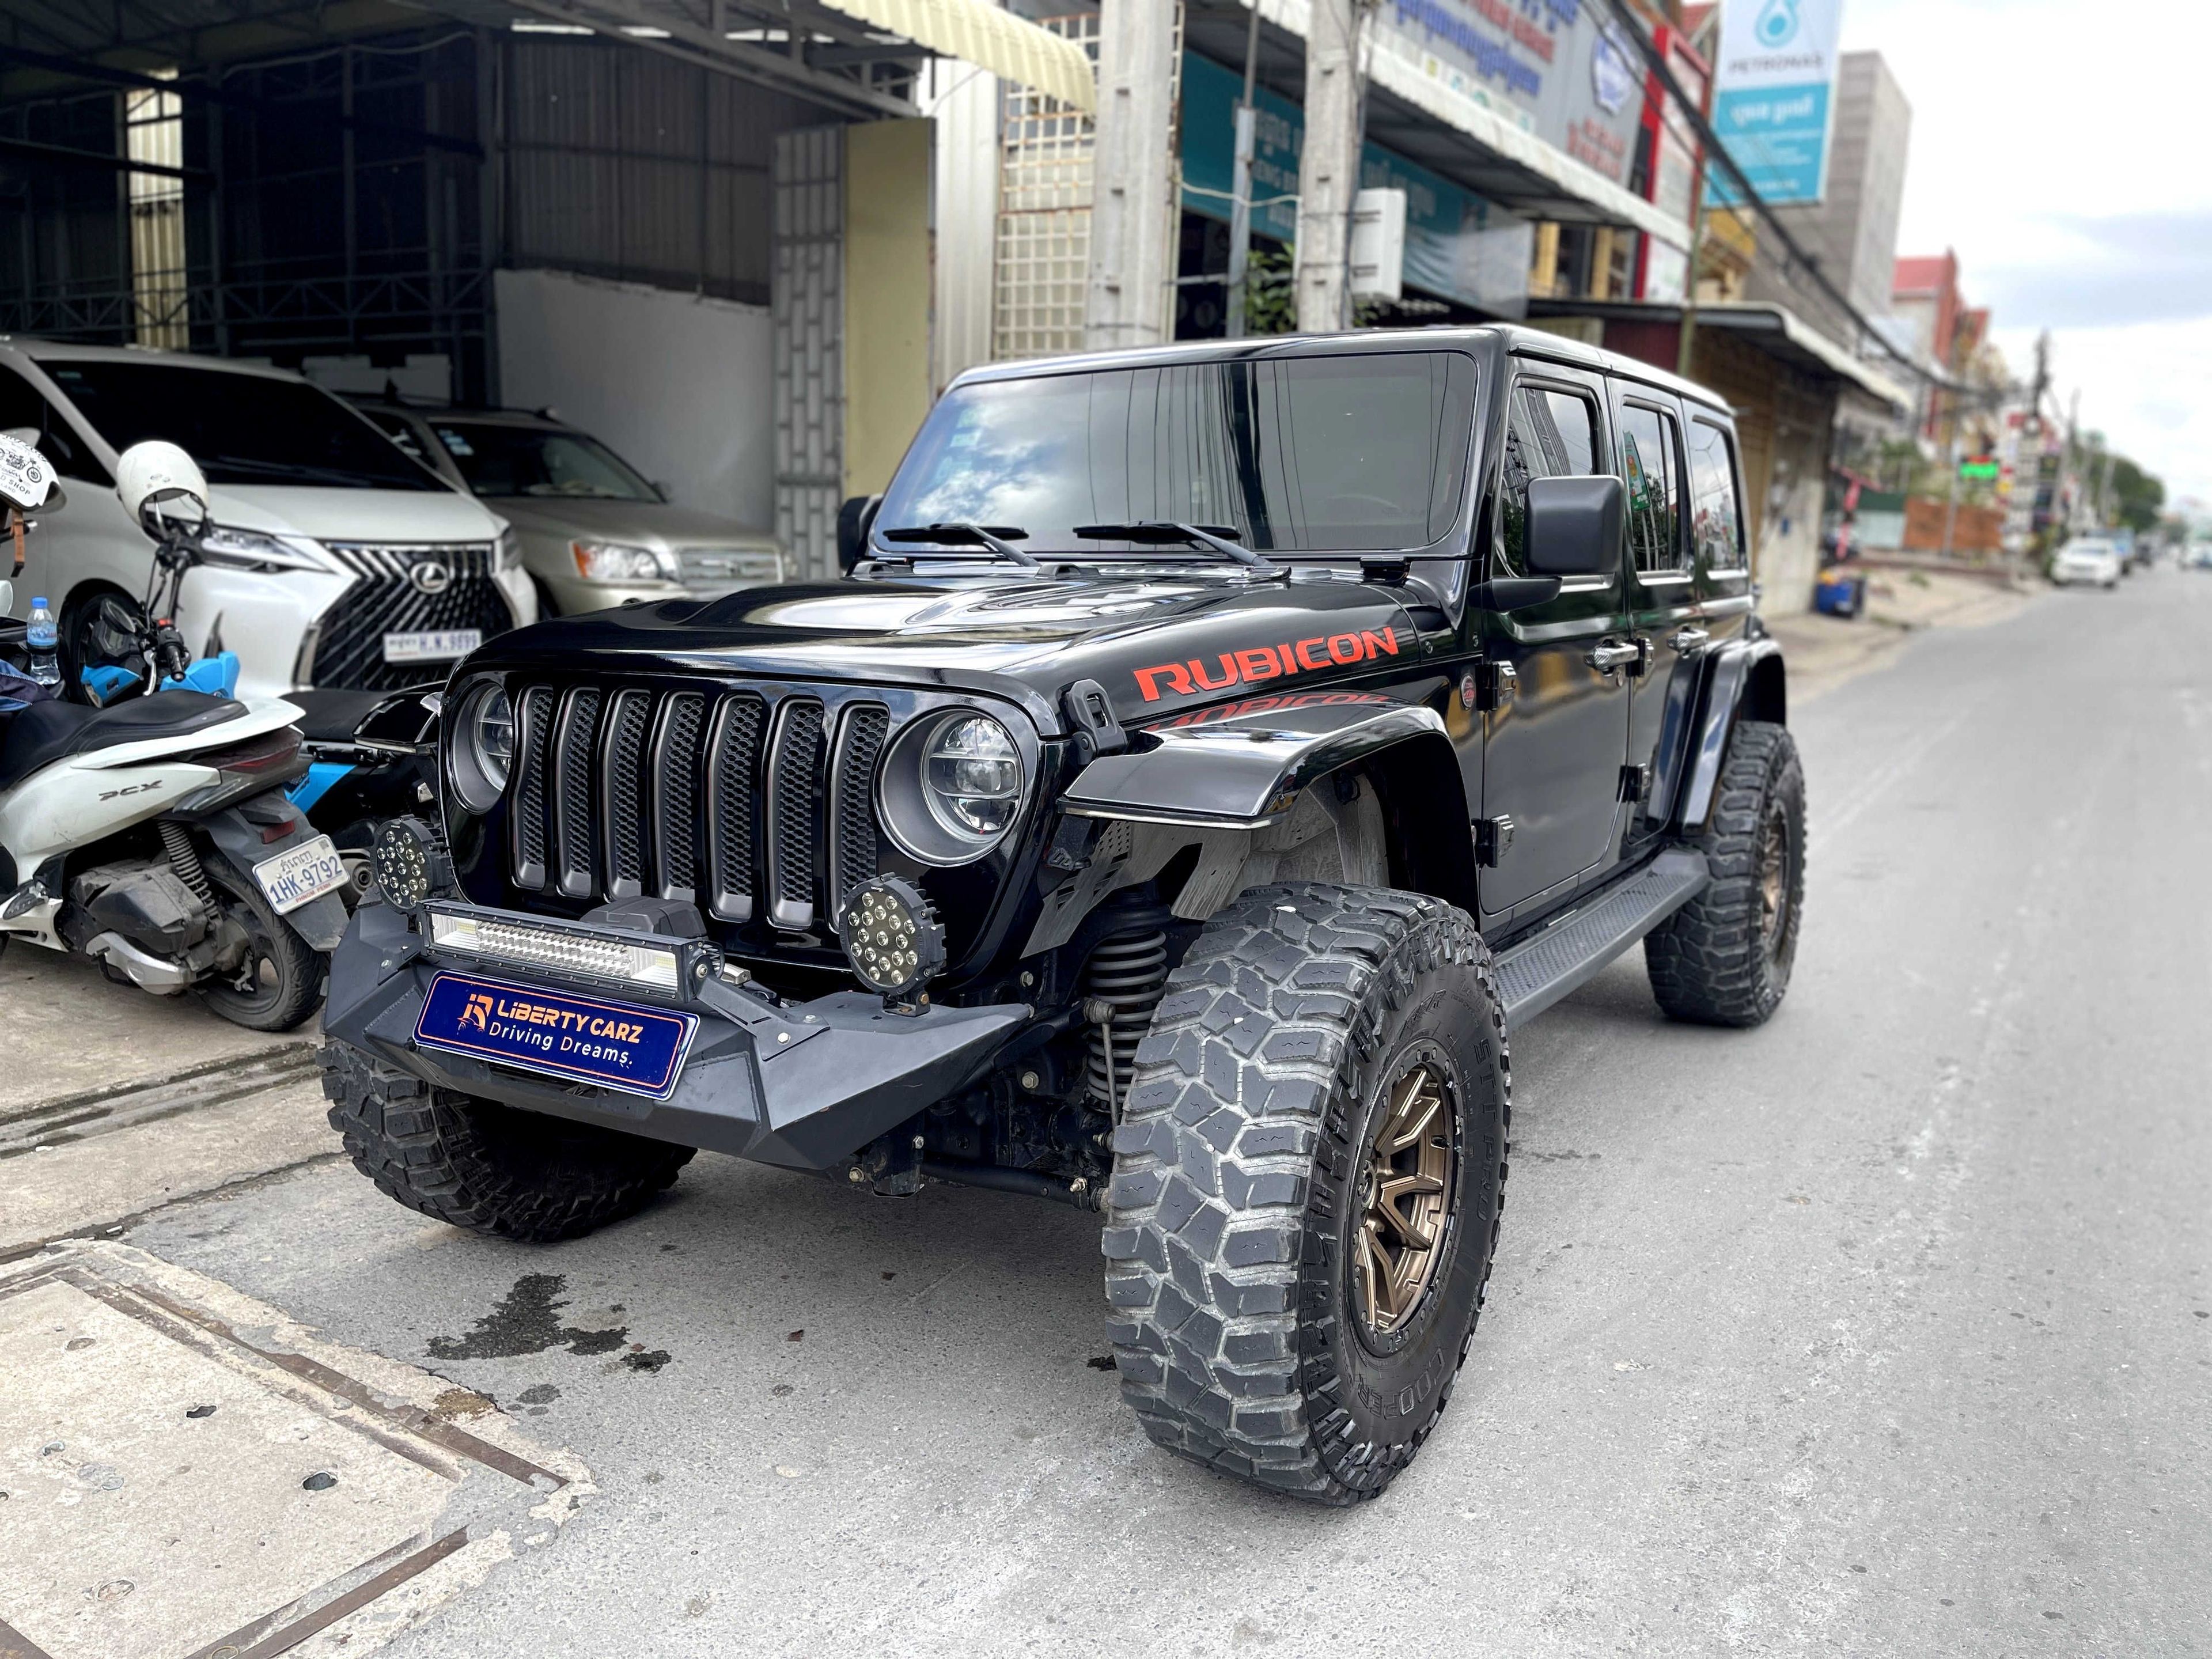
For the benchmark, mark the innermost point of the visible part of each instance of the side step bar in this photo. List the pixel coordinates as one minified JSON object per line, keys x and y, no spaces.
{"x":1538,"y":971}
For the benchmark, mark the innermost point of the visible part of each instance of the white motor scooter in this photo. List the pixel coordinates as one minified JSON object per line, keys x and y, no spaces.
{"x":153,"y":835}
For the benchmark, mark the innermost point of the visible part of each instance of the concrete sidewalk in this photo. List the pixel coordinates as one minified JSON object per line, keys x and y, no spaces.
{"x":1825,"y":652}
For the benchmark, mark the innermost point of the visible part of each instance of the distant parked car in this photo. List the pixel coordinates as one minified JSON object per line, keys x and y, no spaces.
{"x":2087,"y":559}
{"x":333,"y":561}
{"x":595,"y":532}
{"x":2198,"y":556}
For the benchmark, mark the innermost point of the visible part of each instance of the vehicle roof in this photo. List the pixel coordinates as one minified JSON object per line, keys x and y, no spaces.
{"x":65,"y":351}
{"x":1534,"y":343}
{"x":522,"y":417}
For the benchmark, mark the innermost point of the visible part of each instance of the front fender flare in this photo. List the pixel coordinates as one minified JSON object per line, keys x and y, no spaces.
{"x":1246,"y":771}
{"x":1743,"y":681}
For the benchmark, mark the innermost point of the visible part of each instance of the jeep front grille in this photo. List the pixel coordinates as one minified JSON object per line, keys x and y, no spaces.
{"x":726,"y":800}
{"x":388,"y":597}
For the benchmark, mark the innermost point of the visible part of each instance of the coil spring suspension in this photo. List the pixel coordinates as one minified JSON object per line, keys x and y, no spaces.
{"x":1122,"y":983}
{"x":185,"y":860}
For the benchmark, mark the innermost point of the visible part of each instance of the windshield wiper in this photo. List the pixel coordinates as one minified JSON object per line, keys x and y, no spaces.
{"x":1162,"y":532}
{"x":968,"y":535}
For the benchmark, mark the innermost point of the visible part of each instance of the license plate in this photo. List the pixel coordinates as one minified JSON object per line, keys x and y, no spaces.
{"x":300,"y":874}
{"x":640,"y":1050}
{"x":435,"y":645}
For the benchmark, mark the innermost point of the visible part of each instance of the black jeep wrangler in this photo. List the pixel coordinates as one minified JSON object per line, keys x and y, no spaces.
{"x":1211,"y":755}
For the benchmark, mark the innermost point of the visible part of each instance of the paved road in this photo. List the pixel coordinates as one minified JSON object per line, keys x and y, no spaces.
{"x":1885,"y":1330}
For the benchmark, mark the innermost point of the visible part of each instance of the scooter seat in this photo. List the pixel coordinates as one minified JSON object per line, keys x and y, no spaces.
{"x":334,"y":716}
{"x":44,"y":732}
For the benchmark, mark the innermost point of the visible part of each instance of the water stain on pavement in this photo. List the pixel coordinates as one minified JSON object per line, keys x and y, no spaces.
{"x":527,"y":1321}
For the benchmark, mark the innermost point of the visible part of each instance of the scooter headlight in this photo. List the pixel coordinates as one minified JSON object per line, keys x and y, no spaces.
{"x":482,"y":747}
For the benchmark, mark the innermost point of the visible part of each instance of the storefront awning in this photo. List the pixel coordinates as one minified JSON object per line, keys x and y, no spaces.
{"x":982,"y":34}
{"x":1775,"y":329}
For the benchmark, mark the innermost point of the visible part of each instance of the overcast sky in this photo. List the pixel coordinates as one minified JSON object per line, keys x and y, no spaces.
{"x":2060,"y":147}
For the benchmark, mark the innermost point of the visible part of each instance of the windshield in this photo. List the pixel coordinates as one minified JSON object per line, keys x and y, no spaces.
{"x":499,"y":460}
{"x":240,"y":428}
{"x":1297,"y":454}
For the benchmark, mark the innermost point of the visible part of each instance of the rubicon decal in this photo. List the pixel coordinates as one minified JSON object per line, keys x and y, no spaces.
{"x":1265,"y":662}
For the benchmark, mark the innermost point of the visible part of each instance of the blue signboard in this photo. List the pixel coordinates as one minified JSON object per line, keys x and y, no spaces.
{"x":615,"y":1043}
{"x":1459,"y":246}
{"x":1771,"y":96}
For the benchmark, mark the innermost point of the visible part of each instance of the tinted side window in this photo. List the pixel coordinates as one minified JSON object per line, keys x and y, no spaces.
{"x":1715,"y":516}
{"x":1550,"y":433}
{"x":21,"y":404}
{"x":1651,"y":466}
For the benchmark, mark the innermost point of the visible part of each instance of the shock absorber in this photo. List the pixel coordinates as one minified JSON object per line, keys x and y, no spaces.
{"x":1122,"y":983}
{"x":185,"y":860}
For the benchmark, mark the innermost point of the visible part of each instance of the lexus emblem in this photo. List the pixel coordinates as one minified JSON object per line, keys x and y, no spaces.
{"x":430,"y":577}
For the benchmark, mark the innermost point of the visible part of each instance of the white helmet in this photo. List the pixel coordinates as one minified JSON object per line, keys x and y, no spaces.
{"x":26,"y":479}
{"x":156,"y":476}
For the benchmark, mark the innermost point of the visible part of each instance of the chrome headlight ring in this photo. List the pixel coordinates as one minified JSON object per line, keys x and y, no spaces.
{"x":952,"y":786}
{"x":480,"y":751}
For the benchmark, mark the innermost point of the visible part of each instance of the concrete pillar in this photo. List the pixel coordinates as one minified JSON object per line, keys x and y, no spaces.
{"x":1130,"y":302}
{"x":1329,"y":171}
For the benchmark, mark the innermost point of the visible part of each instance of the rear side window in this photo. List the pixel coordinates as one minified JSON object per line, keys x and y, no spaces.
{"x":22,"y":405}
{"x":1650,"y":463}
{"x":1716,"y":515}
{"x":1550,"y":433}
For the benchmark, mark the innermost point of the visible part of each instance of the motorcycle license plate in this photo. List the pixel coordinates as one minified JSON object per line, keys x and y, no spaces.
{"x":433,"y":645}
{"x":300,"y":874}
{"x":640,"y":1050}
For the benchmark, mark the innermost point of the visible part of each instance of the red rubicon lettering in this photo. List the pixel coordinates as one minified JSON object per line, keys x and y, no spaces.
{"x":1265,"y":662}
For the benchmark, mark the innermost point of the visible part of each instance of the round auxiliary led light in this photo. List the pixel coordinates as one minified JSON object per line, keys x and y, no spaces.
{"x":409,"y":863}
{"x":892,"y":937}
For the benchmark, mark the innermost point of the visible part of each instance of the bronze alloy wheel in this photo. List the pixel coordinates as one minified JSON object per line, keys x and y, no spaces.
{"x":1777,"y":917}
{"x":1405,"y":1198}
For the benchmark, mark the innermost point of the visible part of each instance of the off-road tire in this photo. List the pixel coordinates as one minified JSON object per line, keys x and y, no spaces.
{"x":1710,"y":962}
{"x":489,"y":1168}
{"x":1237,"y":1184}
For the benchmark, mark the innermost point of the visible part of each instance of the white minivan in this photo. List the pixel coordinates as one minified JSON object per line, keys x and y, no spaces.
{"x":337,"y":560}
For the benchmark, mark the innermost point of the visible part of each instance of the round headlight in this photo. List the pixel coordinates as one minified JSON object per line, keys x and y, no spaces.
{"x":483,"y":749}
{"x":971,"y":777}
{"x":952,"y":786}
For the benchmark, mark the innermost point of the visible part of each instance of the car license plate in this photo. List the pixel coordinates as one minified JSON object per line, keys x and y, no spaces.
{"x":300,"y":874}
{"x":640,"y":1050}
{"x":435,"y":645}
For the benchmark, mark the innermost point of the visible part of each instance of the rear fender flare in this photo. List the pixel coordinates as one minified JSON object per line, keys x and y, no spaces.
{"x":1746,"y":680}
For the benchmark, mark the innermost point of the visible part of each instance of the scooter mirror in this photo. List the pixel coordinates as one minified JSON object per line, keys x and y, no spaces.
{"x":157,"y":479}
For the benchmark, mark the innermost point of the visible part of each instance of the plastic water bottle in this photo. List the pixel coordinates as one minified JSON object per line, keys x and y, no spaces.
{"x":43,"y":638}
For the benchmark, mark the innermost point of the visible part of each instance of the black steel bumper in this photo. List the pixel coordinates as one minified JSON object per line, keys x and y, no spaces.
{"x":800,"y":1085}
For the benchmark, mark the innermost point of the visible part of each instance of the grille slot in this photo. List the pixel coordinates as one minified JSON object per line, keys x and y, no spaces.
{"x":753,"y":807}
{"x":674,"y":770}
{"x":860,"y":737}
{"x":535,"y":743}
{"x":794,"y":815}
{"x":622,"y":794}
{"x":735,"y":770}
{"x":572,"y":790}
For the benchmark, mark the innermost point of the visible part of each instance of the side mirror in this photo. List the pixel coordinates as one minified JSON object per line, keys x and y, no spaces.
{"x":854,"y":519}
{"x":155,"y":479}
{"x":1575,"y":525}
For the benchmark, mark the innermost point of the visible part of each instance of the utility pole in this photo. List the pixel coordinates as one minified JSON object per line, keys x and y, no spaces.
{"x":1240,"y":184}
{"x":1129,"y":298}
{"x":1328,"y":172}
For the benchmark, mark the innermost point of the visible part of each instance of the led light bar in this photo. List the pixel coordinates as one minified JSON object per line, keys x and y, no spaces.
{"x":613,"y":959}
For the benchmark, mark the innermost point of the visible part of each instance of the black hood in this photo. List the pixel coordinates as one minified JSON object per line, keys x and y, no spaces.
{"x":1158,"y":645}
